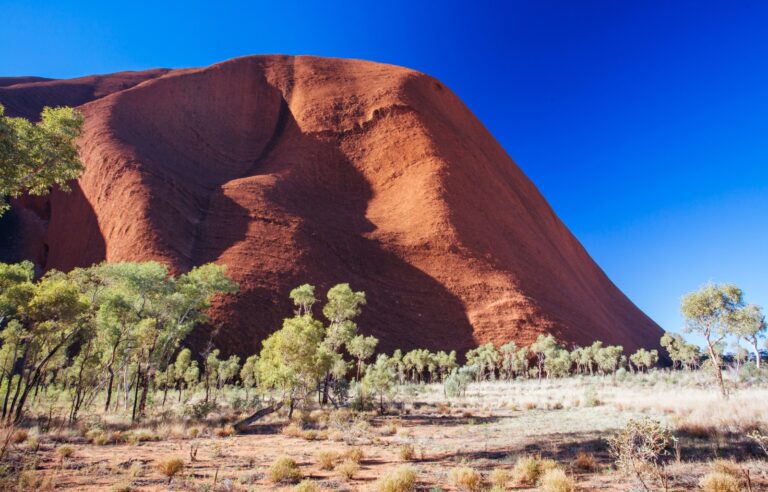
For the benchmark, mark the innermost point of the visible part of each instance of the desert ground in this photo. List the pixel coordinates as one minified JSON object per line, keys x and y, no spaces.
{"x":493,"y":427}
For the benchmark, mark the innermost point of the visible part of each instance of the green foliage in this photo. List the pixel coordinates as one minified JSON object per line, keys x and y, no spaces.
{"x":36,"y":156}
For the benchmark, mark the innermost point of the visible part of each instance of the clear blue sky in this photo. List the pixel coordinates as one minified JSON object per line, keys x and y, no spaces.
{"x":645,"y":124}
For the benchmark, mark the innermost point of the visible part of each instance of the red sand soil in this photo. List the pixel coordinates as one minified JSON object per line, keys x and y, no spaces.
{"x":303,"y":169}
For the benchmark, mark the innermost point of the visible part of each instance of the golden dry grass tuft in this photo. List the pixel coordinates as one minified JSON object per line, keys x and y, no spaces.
{"x":555,"y":480}
{"x":347,"y":469}
{"x":467,"y":479}
{"x":326,"y":460}
{"x":719,"y":482}
{"x":402,"y":479}
{"x":284,"y":470}
{"x":170,"y":467}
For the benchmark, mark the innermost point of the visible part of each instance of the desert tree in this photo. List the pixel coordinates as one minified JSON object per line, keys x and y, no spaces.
{"x":542,"y":345}
{"x":379,"y":379}
{"x":292,"y":361}
{"x":361,"y":348}
{"x":446,"y":362}
{"x":486,"y":358}
{"x":712,"y":312}
{"x":249,"y":375}
{"x":749,"y":323}
{"x":681,"y":352}
{"x":36,"y":156}
{"x":557,"y":362}
{"x":644,"y":359}
{"x":608,"y":359}
{"x":303,"y":298}
{"x":50,"y":314}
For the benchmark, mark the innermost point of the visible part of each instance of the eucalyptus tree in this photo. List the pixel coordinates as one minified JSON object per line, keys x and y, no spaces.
{"x":249,"y":375}
{"x":361,"y":348}
{"x":292,"y":361}
{"x":749,"y":323}
{"x":608,"y":359}
{"x":50,"y":316}
{"x":486,"y":358}
{"x":542,"y":345}
{"x":380,"y":378}
{"x":36,"y":156}
{"x":644,"y":359}
{"x":712,"y":312}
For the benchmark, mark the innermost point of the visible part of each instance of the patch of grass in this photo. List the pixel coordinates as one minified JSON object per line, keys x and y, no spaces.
{"x":292,"y":430}
{"x":500,"y":478}
{"x":467,"y":479}
{"x":529,"y":469}
{"x":225,"y":431}
{"x":355,"y":454}
{"x":584,"y":462}
{"x":65,"y":451}
{"x":170,"y":467}
{"x":309,"y":435}
{"x":326,"y":460}
{"x":407,"y":452}
{"x":284,"y":470}
{"x":555,"y":480}
{"x":347,"y":469}
{"x":306,"y":486}
{"x":401,"y":480}
{"x":19,"y":436}
{"x":719,"y":482}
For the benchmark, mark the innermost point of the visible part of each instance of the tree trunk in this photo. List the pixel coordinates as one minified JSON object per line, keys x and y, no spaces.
{"x":243,"y":424}
{"x":757,"y":353}
{"x":109,"y":389}
{"x":715,"y":360}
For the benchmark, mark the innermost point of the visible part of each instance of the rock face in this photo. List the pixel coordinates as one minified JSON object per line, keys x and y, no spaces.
{"x":302,"y":169}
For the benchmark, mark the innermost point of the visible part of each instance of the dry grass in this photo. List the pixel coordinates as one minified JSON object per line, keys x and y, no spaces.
{"x":355,"y":454}
{"x":407,"y":452}
{"x":306,"y":486}
{"x":347,"y":469}
{"x":170,"y":467}
{"x":584,"y":462}
{"x":500,"y":478}
{"x":719,"y":482}
{"x":326,"y":460}
{"x":467,"y":479}
{"x":65,"y":451}
{"x":555,"y":480}
{"x":225,"y":431}
{"x":284,"y":470}
{"x":401,"y":480}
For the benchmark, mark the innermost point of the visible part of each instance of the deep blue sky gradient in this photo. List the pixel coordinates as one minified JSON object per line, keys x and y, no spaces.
{"x":645,"y":124}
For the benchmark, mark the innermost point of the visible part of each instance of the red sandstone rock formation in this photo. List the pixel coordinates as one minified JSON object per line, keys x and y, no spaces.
{"x":303,"y":169}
